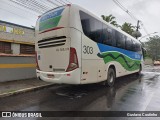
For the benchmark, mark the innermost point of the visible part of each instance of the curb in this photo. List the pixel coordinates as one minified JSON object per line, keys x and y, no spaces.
{"x":25,"y":90}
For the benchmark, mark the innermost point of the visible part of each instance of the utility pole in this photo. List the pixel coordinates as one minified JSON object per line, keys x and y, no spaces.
{"x":136,"y":33}
{"x":137,"y":27}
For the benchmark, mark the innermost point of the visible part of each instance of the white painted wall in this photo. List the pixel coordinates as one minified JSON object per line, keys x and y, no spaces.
{"x":15,"y":48}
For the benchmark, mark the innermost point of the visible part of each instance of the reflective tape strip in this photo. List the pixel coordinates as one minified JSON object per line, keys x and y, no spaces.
{"x":17,"y":65}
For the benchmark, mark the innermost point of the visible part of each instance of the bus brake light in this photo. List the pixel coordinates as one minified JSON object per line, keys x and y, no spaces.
{"x":73,"y":61}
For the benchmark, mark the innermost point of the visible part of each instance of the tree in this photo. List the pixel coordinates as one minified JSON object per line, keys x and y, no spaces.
{"x":110,"y":19}
{"x":152,"y":46}
{"x":128,"y":28}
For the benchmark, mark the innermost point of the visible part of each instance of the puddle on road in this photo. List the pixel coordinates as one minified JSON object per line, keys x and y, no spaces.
{"x":73,"y":92}
{"x":76,"y":92}
{"x":71,"y":95}
{"x":129,"y":93}
{"x":151,"y":72}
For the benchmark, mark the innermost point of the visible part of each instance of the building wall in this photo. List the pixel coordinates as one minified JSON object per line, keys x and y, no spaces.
{"x":15,"y":48}
{"x":15,"y":36}
{"x":14,"y":65}
{"x":26,"y":36}
{"x":17,"y":68}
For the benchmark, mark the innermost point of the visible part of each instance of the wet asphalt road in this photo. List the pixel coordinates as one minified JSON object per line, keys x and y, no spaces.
{"x":130,"y":93}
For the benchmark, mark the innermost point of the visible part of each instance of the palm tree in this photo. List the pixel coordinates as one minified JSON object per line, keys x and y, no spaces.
{"x":128,"y":28}
{"x":110,"y":19}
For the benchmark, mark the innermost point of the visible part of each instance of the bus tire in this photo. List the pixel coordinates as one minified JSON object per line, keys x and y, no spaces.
{"x":140,"y":70}
{"x":39,"y":78}
{"x":110,"y":77}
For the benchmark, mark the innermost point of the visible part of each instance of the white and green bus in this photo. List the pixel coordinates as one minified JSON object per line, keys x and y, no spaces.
{"x":73,"y":46}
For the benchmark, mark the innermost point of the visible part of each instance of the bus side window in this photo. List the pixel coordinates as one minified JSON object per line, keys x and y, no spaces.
{"x":96,"y":30}
{"x":129,"y":44}
{"x":113,"y":38}
{"x":92,"y":27}
{"x":85,"y":26}
{"x":107,"y":35}
{"x":138,"y":47}
{"x":134,"y":46}
{"x":120,"y":40}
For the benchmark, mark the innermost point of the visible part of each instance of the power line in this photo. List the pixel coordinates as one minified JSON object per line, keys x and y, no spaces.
{"x":39,"y":4}
{"x":46,"y":3}
{"x":125,"y":9}
{"x":144,"y":28}
{"x":59,"y":2}
{"x":130,"y":14}
{"x":63,"y":2}
{"x":34,"y":5}
{"x":68,"y":1}
{"x":8,"y":3}
{"x":52,"y":2}
{"x":25,"y":6}
{"x":31,"y":5}
{"x":16,"y":14}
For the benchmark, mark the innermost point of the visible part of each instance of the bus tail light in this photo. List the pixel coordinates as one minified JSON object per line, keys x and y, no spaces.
{"x":73,"y":60}
{"x":37,"y":66}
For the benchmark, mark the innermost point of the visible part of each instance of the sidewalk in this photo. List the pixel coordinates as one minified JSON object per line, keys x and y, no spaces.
{"x":21,"y":86}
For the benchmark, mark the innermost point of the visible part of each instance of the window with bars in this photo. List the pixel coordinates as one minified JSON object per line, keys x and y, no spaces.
{"x":27,"y":49}
{"x":5,"y":47}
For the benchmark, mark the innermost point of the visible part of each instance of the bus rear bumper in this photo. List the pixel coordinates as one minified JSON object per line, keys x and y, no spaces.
{"x":72,"y":77}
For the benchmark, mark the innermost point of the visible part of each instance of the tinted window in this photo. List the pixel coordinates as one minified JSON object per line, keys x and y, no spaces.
{"x":114,"y":42}
{"x":129,"y":44}
{"x":133,"y":46}
{"x":92,"y":27}
{"x":120,"y":38}
{"x":27,"y":49}
{"x":107,"y":35}
{"x":137,"y":47}
{"x":5,"y":47}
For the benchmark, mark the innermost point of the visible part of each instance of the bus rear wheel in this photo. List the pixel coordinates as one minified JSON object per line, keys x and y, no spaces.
{"x":140,"y":70}
{"x":110,"y":77}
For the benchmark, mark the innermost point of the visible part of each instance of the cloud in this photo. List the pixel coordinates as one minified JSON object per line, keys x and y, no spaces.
{"x":145,"y":10}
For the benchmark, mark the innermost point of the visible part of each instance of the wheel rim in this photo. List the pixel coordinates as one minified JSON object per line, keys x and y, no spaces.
{"x":111,"y":77}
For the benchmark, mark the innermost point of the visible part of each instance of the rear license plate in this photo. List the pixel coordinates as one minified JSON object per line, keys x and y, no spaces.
{"x":50,"y":75}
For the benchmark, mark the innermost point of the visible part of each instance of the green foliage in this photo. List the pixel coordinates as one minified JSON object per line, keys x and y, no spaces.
{"x":153,"y":46}
{"x":128,"y":28}
{"x":110,"y":19}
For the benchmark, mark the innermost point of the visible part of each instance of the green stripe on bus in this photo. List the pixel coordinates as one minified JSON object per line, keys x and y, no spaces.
{"x":50,"y":23}
{"x":128,"y":63}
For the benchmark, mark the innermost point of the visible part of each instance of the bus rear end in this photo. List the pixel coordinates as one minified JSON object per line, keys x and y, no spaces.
{"x":57,"y":60}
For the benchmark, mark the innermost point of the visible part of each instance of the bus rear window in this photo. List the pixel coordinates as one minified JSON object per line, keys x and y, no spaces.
{"x":50,"y":19}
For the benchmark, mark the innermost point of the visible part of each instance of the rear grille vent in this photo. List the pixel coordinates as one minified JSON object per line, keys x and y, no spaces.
{"x":52,"y":42}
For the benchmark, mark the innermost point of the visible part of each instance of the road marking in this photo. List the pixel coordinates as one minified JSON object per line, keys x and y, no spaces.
{"x":151,"y":72}
{"x":17,"y":65}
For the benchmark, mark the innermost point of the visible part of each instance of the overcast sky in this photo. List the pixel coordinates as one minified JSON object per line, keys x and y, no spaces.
{"x":148,"y":11}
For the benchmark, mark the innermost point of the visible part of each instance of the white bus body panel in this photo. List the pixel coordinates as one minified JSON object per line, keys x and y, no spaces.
{"x":67,"y":77}
{"x":53,"y":61}
{"x":92,"y":69}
